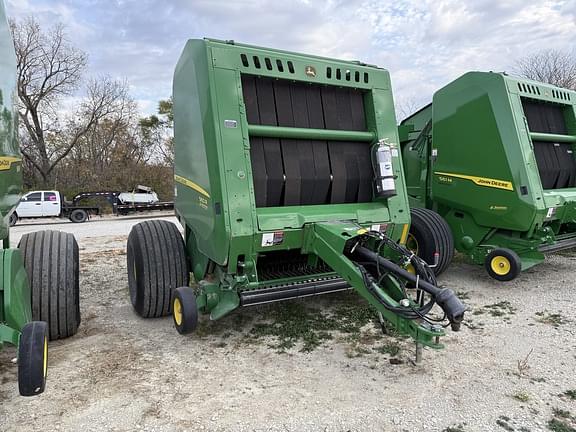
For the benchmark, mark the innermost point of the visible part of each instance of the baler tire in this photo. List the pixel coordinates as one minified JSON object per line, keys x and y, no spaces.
{"x":52,"y":263}
{"x":79,"y":216}
{"x":185,"y":310}
{"x":33,"y":358}
{"x":432,"y":235}
{"x":157,"y":265}
{"x":13,"y":219}
{"x":503,"y":264}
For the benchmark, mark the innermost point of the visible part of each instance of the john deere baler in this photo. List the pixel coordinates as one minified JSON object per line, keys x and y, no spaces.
{"x":494,"y":156}
{"x":289,"y":184}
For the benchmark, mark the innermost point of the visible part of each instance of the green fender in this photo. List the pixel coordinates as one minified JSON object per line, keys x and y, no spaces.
{"x":15,"y":291}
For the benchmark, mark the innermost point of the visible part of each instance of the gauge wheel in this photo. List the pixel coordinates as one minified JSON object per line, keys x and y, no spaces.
{"x":33,"y":358}
{"x":503,"y":264}
{"x":185,"y":310}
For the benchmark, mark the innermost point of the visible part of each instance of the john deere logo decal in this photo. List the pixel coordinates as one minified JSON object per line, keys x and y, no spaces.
{"x":310,"y":71}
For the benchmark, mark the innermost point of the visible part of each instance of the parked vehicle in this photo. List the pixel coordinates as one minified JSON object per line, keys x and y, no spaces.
{"x":41,"y":204}
{"x":493,"y":155}
{"x":140,"y":195}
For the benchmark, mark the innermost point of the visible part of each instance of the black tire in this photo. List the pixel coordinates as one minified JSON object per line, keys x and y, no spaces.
{"x":503,"y":264}
{"x":13,"y":219}
{"x":52,"y":264}
{"x":432,"y":235}
{"x":157,"y":265}
{"x":33,"y":358}
{"x":185,"y":310}
{"x":79,"y":216}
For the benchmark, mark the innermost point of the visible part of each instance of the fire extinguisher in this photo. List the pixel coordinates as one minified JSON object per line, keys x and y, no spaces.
{"x":385,"y":185}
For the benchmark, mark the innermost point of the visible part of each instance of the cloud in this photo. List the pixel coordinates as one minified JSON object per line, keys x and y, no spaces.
{"x":424,"y":43}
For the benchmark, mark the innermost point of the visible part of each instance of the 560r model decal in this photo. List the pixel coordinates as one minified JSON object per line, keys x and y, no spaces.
{"x":480,"y":181}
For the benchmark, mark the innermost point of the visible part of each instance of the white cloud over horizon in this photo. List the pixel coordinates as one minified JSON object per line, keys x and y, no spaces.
{"x":423,"y":43}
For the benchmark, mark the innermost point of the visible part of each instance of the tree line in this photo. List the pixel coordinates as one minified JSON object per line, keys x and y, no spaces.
{"x":96,"y":141}
{"x":99,"y":142}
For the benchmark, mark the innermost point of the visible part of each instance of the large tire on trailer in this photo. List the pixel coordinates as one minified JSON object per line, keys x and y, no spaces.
{"x":157,"y":265}
{"x":78,"y":216}
{"x":430,"y":234}
{"x":52,"y":263}
{"x":13,"y":219}
{"x":33,"y":358}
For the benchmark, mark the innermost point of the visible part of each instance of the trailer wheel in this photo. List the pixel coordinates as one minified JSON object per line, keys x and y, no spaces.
{"x":157,"y":265}
{"x":33,"y":358}
{"x":430,"y":234}
{"x":503,"y":264}
{"x":52,"y":264}
{"x":13,"y":219}
{"x":185,"y":310}
{"x":79,"y":216}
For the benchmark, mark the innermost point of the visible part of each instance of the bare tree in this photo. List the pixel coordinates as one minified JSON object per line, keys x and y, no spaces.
{"x":49,"y":68}
{"x":407,"y":106}
{"x":549,"y":66}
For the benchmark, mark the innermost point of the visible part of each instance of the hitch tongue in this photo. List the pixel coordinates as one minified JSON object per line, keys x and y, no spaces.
{"x":452,"y":306}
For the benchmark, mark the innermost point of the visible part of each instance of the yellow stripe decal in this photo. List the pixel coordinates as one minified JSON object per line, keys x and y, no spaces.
{"x":7,"y":161}
{"x":192,"y":185}
{"x":404,"y":235}
{"x":481,"y":181}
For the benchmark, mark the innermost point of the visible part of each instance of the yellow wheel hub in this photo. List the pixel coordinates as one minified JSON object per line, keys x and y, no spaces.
{"x":45,"y":357}
{"x":412,"y":243}
{"x":177,"y":310}
{"x":500,"y":265}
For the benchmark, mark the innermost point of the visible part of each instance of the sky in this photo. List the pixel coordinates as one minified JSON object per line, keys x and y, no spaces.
{"x":423,"y":43}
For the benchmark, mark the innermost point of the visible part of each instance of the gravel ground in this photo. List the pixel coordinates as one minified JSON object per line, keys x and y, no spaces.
{"x":508,"y":369}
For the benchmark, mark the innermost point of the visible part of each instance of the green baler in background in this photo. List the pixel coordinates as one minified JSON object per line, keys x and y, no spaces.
{"x":289,"y":184}
{"x":39,"y":297}
{"x":494,"y":156}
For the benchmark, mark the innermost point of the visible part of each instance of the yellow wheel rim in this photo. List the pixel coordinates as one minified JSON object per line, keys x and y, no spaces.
{"x":45,"y":357}
{"x":412,"y":243}
{"x":177,"y":311}
{"x":500,"y":265}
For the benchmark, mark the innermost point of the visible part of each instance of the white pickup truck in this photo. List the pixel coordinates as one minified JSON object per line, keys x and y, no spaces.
{"x":40,"y":204}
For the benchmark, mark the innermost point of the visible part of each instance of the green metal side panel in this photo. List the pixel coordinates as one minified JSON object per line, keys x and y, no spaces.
{"x":10,"y":161}
{"x":480,"y":168}
{"x":214,"y":187}
{"x":16,"y":293}
{"x":197,"y":174}
{"x":475,"y":135}
{"x":415,"y":136}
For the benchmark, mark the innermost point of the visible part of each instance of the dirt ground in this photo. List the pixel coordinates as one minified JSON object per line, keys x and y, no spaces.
{"x":511,"y":368}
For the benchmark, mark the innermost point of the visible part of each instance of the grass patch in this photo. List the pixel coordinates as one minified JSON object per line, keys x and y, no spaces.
{"x":571,"y":394}
{"x":463,"y":295}
{"x":503,"y":308}
{"x":457,"y":428}
{"x":521,"y":396}
{"x":390,"y":348}
{"x":291,"y":323}
{"x":557,"y":425}
{"x":558,"y":412}
{"x":553,"y":319}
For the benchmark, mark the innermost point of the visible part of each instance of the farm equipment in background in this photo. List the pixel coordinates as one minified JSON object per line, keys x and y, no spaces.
{"x":494,"y":156}
{"x":289,"y":183}
{"x":39,"y":298}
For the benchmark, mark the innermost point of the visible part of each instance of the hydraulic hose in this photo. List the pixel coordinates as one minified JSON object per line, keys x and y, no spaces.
{"x":446,"y":299}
